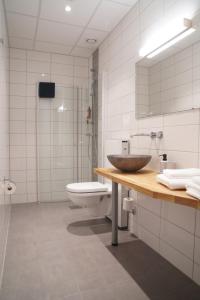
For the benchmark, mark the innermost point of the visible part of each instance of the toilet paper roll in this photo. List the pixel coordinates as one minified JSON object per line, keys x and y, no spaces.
{"x":128,"y":204}
{"x":9,"y":187}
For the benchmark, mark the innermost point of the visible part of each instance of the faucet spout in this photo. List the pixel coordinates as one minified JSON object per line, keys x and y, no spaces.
{"x":152,"y":134}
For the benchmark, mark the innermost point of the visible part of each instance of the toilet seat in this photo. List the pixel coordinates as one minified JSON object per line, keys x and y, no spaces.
{"x":94,"y":196}
{"x":87,"y":187}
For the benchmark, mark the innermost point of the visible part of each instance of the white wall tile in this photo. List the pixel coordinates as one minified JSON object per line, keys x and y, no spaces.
{"x":17,"y":89}
{"x":17,"y":139}
{"x":62,"y":69}
{"x":150,"y":239}
{"x":38,"y":66}
{"x":18,"y":176}
{"x":31,"y":163}
{"x":17,"y":65}
{"x":31,"y":176}
{"x":18,"y":114}
{"x":197,"y":232}
{"x":176,"y":258}
{"x":181,"y":132}
{"x":197,"y":251}
{"x":17,"y":77}
{"x":153,"y":205}
{"x":149,"y":221}
{"x":34,"y":78}
{"x":196,"y":274}
{"x":17,"y":126}
{"x":18,"y":164}
{"x":63,"y":59}
{"x":17,"y":150}
{"x":19,"y":198}
{"x":38,"y":56}
{"x":21,"y":188}
{"x":17,"y":53}
{"x":177,"y":238}
{"x":179,"y":215}
{"x":17,"y":102}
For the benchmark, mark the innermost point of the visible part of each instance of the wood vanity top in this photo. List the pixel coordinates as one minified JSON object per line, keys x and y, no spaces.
{"x":144,"y":181}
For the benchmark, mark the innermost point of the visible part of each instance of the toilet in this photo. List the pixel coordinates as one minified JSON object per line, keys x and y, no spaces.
{"x":93,"y":195}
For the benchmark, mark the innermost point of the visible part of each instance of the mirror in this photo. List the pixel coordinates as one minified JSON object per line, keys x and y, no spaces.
{"x":170,"y":81}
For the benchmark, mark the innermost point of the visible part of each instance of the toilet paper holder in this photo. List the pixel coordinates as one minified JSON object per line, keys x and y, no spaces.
{"x":9,"y":186}
{"x":133,"y":211}
{"x":132,"y":208}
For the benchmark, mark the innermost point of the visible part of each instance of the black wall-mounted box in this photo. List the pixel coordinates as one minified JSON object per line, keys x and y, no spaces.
{"x":46,"y":90}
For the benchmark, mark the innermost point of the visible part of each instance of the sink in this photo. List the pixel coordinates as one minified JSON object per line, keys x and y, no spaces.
{"x":129,"y":163}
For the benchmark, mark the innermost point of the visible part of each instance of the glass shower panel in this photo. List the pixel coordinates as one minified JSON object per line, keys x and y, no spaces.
{"x":84,"y":137}
{"x":57,"y":139}
{"x":64,"y":142}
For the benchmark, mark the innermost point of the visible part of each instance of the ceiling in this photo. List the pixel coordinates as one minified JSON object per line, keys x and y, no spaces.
{"x":45,"y":25}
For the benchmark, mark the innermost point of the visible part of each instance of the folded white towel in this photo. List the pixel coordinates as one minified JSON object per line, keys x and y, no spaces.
{"x":173,"y":184}
{"x":193,"y":192}
{"x":193,"y":185}
{"x":196,"y":180}
{"x":181,"y":173}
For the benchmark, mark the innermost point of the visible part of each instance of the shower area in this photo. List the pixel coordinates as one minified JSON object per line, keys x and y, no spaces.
{"x":67,"y":127}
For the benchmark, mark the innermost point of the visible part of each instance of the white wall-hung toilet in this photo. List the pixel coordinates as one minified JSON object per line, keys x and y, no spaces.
{"x":93,"y":195}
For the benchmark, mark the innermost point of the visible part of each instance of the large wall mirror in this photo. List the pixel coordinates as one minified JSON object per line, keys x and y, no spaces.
{"x":170,"y":81}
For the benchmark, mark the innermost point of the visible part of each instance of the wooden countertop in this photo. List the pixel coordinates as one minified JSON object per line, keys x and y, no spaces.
{"x":144,"y":181}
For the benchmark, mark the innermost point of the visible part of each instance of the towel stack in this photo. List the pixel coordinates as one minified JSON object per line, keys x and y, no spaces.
{"x":178,"y":179}
{"x":193,"y":187}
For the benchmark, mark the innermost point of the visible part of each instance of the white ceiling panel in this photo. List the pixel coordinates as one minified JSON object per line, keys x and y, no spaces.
{"x":21,"y":43}
{"x":125,"y":2}
{"x":58,"y":33}
{"x":45,"y":25}
{"x":21,"y":26}
{"x":54,"y":48}
{"x":83,"y":52}
{"x":80,"y":14}
{"x":108,"y":15}
{"x":27,"y":7}
{"x":92,"y":34}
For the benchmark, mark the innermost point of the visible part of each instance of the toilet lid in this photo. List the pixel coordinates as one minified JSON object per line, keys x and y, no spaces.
{"x":86,"y":187}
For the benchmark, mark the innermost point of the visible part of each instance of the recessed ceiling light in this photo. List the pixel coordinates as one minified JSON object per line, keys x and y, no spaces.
{"x":68,"y":8}
{"x":91,"y":41}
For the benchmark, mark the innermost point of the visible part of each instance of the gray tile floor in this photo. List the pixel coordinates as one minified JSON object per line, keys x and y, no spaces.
{"x":58,"y":253}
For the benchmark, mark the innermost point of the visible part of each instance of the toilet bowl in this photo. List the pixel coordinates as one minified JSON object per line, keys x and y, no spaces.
{"x":93,"y":195}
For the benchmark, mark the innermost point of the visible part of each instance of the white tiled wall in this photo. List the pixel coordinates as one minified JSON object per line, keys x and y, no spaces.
{"x":4,"y":138}
{"x":142,"y":91}
{"x":172,"y":230}
{"x":27,"y":68}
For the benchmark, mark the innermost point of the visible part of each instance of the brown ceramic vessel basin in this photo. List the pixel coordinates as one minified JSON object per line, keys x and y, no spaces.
{"x":129,"y":163}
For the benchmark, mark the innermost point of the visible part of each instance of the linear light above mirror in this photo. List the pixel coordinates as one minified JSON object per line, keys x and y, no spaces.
{"x":189,"y":30}
{"x":167,"y":36}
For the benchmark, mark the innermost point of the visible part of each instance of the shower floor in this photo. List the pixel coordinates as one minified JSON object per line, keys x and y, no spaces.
{"x":57,"y":252}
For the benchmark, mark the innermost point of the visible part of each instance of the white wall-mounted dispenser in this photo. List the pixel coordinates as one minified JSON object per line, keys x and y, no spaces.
{"x":165,"y":163}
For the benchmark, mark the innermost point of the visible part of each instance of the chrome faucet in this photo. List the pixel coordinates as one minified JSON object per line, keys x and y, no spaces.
{"x":152,"y":134}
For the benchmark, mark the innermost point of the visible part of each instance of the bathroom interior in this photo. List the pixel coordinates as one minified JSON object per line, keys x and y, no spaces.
{"x":99,"y":149}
